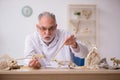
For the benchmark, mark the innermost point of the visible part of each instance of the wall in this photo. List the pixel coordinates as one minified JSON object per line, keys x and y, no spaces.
{"x":14,"y":26}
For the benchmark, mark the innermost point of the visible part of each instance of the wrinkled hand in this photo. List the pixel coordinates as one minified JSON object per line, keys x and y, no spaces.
{"x":71,"y":40}
{"x":34,"y":63}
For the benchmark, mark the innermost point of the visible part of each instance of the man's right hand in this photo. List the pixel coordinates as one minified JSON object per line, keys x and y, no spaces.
{"x":34,"y":63}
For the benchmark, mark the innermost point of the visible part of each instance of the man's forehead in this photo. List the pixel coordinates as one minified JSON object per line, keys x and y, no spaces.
{"x":47,"y":25}
{"x":46,"y":18}
{"x":46,"y":21}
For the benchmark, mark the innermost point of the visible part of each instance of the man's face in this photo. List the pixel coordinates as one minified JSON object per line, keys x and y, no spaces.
{"x":47,"y":28}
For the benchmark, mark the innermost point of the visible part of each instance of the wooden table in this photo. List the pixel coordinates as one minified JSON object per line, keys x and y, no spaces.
{"x":60,"y":74}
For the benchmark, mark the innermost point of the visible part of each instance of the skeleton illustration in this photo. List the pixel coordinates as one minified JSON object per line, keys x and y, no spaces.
{"x":87,"y":13}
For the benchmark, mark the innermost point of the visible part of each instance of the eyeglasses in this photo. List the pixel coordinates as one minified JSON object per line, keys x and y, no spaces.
{"x":42,"y":28}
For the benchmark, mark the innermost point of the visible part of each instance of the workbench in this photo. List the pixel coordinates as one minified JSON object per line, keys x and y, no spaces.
{"x":60,"y":74}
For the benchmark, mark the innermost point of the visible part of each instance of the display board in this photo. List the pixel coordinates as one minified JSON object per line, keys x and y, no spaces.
{"x":83,"y":22}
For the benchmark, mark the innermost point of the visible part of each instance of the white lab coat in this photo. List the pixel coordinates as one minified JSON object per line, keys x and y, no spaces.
{"x":34,"y":44}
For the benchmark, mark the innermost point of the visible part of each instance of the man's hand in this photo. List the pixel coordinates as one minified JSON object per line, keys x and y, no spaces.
{"x":34,"y":63}
{"x":71,"y":40}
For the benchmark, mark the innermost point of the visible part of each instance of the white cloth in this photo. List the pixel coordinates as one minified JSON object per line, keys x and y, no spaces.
{"x":34,"y":44}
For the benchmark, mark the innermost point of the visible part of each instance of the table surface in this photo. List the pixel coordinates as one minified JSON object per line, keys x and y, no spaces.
{"x":28,"y":70}
{"x":60,"y":74}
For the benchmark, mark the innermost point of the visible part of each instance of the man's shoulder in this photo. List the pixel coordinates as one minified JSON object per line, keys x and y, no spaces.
{"x":32,"y":35}
{"x":62,"y":32}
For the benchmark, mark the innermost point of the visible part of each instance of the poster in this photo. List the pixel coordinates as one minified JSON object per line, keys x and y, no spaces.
{"x":83,"y":23}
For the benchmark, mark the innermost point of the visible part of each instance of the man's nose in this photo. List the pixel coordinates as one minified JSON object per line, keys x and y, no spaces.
{"x":48,"y":32}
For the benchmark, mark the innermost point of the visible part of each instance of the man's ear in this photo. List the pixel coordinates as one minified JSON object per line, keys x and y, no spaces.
{"x":37,"y":25}
{"x":56,"y":25}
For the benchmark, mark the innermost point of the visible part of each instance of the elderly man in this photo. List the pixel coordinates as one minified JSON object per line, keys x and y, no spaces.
{"x":46,"y":41}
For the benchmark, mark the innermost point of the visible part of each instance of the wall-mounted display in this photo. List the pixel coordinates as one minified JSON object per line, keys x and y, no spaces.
{"x":83,"y":22}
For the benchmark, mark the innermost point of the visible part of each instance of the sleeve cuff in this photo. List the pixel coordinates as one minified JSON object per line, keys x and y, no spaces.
{"x":81,"y":50}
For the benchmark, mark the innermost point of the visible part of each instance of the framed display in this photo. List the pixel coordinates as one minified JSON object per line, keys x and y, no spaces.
{"x":83,"y":23}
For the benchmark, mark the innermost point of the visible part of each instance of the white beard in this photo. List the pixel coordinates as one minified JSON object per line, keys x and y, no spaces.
{"x":48,"y":41}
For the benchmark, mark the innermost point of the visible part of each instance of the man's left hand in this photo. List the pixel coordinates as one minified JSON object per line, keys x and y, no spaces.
{"x":71,"y":40}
